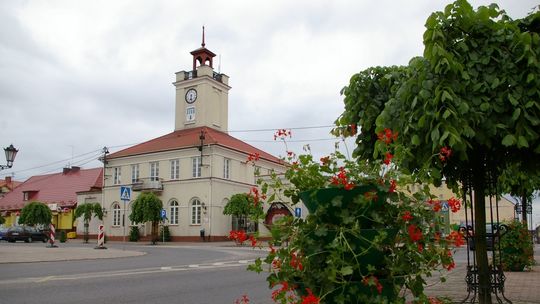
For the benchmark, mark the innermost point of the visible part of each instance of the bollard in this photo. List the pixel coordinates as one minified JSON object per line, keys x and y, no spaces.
{"x":51,"y":237}
{"x":101,"y":238}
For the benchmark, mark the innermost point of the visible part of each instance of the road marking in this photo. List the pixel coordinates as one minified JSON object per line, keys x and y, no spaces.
{"x":44,"y":279}
{"x":126,"y":272}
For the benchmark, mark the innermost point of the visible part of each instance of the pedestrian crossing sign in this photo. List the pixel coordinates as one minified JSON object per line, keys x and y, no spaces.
{"x":125,"y":193}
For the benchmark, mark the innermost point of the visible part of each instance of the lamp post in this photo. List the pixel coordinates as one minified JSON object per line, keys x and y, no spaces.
{"x":11,"y":152}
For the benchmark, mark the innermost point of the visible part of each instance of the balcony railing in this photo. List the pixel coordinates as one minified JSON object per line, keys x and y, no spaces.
{"x":147,"y":184}
{"x":190,"y":75}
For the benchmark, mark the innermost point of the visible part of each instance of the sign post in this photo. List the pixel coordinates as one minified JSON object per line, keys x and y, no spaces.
{"x":163,"y":217}
{"x":125,"y":196}
{"x":298,"y":212}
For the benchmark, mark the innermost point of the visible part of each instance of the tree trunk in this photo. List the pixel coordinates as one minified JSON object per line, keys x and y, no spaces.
{"x":155,"y":232}
{"x":86,"y":232}
{"x":524,"y":209}
{"x":479,"y":186}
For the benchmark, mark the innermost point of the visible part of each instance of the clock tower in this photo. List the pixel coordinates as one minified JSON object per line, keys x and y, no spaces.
{"x":202,"y":94}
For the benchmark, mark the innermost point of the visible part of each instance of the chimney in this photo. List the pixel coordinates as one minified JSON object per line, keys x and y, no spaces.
{"x":66,"y":170}
{"x":75,"y":168}
{"x":8,"y":180}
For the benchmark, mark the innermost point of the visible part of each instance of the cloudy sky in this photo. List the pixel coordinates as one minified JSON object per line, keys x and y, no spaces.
{"x":76,"y":76}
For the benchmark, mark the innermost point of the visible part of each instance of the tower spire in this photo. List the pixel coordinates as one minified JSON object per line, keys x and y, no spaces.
{"x":203,"y":44}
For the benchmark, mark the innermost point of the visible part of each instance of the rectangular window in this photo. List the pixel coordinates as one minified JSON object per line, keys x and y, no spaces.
{"x":175,"y":169}
{"x":190,"y":114}
{"x":134,"y":173}
{"x":116,"y":175}
{"x":196,"y":171}
{"x":154,"y":171}
{"x":226,"y":168}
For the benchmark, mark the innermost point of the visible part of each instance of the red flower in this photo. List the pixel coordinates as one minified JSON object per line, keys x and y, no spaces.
{"x":310,"y":298}
{"x":436,"y":205}
{"x":387,"y":136}
{"x":325,"y":160}
{"x":444,"y":154}
{"x":454,"y":204}
{"x":349,"y":186}
{"x":253,"y":240}
{"x":393,"y":186}
{"x":450,"y":266}
{"x":243,"y":300}
{"x":415,"y":234}
{"x":388,"y":158}
{"x":282,"y":133}
{"x":407,"y":216}
{"x":353,"y":129}
{"x":456,"y":238}
{"x":296,"y":262}
{"x":372,"y":280}
{"x":252,"y":157}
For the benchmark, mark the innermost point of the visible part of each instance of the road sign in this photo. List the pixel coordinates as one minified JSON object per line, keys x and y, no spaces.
{"x":125,"y":193}
{"x":444,"y":206}
{"x":163,"y":213}
{"x":298,"y":212}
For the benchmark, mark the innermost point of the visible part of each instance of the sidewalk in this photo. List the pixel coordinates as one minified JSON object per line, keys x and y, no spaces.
{"x":520,"y":287}
{"x":27,"y":254}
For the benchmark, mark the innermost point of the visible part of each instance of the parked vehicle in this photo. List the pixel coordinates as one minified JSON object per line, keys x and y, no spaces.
{"x":3,"y":232}
{"x":492,"y":238}
{"x":26,"y":234}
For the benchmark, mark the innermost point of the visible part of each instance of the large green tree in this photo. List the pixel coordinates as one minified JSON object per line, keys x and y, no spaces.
{"x":147,"y":208}
{"x":86,"y":211}
{"x":35,"y":213}
{"x":243,"y":207}
{"x":475,"y":92}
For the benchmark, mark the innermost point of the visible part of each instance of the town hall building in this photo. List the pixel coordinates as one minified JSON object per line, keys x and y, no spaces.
{"x":194,"y":170}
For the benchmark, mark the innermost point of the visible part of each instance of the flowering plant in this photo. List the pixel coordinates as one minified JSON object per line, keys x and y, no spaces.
{"x":369,"y":242}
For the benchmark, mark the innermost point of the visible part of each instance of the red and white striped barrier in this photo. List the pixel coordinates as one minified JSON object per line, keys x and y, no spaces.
{"x":51,"y":235}
{"x":101,"y":238}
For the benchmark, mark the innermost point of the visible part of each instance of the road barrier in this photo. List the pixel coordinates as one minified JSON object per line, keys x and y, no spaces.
{"x":101,"y":238}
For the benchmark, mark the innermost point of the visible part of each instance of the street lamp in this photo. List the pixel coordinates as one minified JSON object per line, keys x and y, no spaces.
{"x":11,"y":152}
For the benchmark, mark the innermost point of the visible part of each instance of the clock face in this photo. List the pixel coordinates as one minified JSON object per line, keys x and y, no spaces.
{"x":191,"y":95}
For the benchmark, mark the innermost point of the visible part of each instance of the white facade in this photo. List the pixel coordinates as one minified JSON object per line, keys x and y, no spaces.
{"x":194,"y":170}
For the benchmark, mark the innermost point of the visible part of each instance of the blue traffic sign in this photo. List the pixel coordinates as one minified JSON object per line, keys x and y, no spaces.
{"x":163,"y":213}
{"x":125,"y":193}
{"x":298,"y":212}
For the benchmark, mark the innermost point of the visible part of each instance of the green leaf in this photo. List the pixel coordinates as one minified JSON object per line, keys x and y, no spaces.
{"x":509,"y":140}
{"x":530,"y":77}
{"x":522,"y":142}
{"x":347,"y":270}
{"x":415,"y":140}
{"x":447,"y":114}
{"x":516,"y":114}
{"x":484,"y":106}
{"x":435,"y":135}
{"x":446,"y":96}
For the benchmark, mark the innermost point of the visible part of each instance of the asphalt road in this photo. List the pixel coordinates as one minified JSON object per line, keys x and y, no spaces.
{"x":166,"y":274}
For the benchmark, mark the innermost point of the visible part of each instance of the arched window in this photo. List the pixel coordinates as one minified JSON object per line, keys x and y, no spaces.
{"x":173,"y":214}
{"x":196,"y":209}
{"x":116,"y":214}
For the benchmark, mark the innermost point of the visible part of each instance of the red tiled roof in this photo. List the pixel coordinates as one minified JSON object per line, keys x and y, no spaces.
{"x":59,"y":188}
{"x":189,"y":138}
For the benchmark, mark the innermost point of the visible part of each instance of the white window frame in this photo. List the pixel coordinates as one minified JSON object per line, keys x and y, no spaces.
{"x":196,"y":166}
{"x":174,"y":211}
{"x":175,"y":169}
{"x":196,"y":212}
{"x":135,"y":173}
{"x":226,"y":168}
{"x":154,"y":171}
{"x":190,"y":114}
{"x":116,"y":215}
{"x":117,"y":175}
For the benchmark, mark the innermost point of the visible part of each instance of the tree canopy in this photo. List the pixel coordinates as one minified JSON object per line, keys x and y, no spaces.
{"x":35,"y":213}
{"x":86,"y":211}
{"x":242,"y":204}
{"x":147,"y":208}
{"x":466,"y":111}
